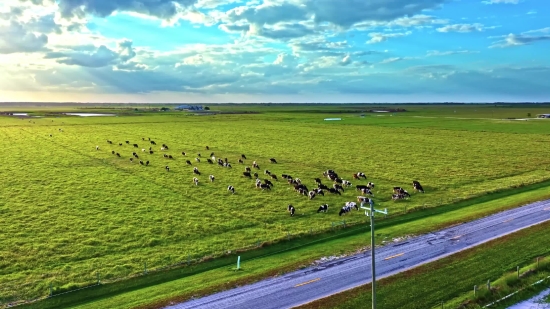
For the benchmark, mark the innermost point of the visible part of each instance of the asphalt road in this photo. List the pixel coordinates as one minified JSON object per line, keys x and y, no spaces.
{"x":329,"y":278}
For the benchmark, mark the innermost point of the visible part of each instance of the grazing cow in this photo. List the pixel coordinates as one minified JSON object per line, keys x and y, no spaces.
{"x":338,"y":187}
{"x":267,"y":182}
{"x":225,"y":160}
{"x":188,"y":162}
{"x":209,"y":161}
{"x":140,"y":162}
{"x":258,"y":183}
{"x":298,"y":180}
{"x":256,"y":175}
{"x":355,"y":176}
{"x":323,"y":208}
{"x":136,"y":156}
{"x":300,"y":186}
{"x":264,"y":186}
{"x":273,"y":160}
{"x":148,"y":138}
{"x":254,"y":164}
{"x":334,"y":191}
{"x":231,"y":189}
{"x":211,"y":177}
{"x":120,"y":144}
{"x":108,"y":141}
{"x":133,"y":153}
{"x":285,"y":176}
{"x":198,"y":154}
{"x":167,"y":168}
{"x":162,"y":148}
{"x":150,"y":148}
{"x":165,"y":155}
{"x":346,"y":183}
{"x":311,"y":194}
{"x":338,"y":180}
{"x":362,"y":199}
{"x":143,"y":138}
{"x":207,"y":148}
{"x":273,"y":176}
{"x":370,"y":185}
{"x":361,"y":175}
{"x":228,"y":165}
{"x":96,"y":147}
{"x":212,"y":154}
{"x":146,"y":162}
{"x":267,"y":172}
{"x":153,"y":143}
{"x":112,"y":151}
{"x":322,"y":186}
{"x":196,"y":171}
{"x":401,"y":191}
{"x":127,"y":142}
{"x":196,"y":181}
{"x":118,"y":154}
{"x":241,"y":161}
{"x":317,"y":181}
{"x":183,"y":153}
{"x":366,"y":191}
{"x":247,"y":169}
{"x":291,"y":181}
{"x":131,"y":159}
{"x":198,"y":160}
{"x":319,"y":191}
{"x":170,"y":157}
{"x":247,"y":174}
{"x":417,"y":186}
{"x":136,"y":146}
{"x":243,"y":157}
{"x":151,"y":152}
{"x":51,"y":135}
{"x":142,"y":149}
{"x":291,"y":209}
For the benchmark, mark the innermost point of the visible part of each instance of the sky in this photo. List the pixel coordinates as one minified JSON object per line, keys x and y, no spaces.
{"x":238,"y":51}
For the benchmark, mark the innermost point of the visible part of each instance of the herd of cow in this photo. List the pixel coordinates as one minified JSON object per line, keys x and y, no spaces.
{"x":338,"y":184}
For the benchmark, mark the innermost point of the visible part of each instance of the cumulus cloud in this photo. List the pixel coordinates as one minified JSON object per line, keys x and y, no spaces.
{"x":159,"y":8}
{"x":98,"y":57}
{"x":377,"y":37}
{"x":280,"y":31}
{"x":462,"y":28}
{"x":14,"y":38}
{"x":519,"y":39}
{"x":449,"y":52}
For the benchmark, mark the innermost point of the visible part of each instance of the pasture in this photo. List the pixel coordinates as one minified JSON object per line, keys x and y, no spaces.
{"x":68,"y":210}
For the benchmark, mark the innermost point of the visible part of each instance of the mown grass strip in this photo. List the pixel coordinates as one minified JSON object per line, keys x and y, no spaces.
{"x":158,"y":289}
{"x":430,"y":285}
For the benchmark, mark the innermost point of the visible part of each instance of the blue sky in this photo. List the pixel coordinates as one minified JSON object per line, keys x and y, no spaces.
{"x":274,"y":50}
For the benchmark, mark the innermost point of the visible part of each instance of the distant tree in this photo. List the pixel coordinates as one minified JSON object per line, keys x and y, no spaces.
{"x":135,"y":109}
{"x":528,"y":114}
{"x":206,"y":108}
{"x":164,"y":109}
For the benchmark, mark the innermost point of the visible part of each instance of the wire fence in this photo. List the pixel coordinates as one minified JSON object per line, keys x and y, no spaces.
{"x":20,"y":291}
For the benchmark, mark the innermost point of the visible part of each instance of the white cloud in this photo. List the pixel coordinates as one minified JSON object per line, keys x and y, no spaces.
{"x":377,"y":37}
{"x":462,"y":28}
{"x":519,"y":39}
{"x":447,"y":53}
{"x":14,"y":38}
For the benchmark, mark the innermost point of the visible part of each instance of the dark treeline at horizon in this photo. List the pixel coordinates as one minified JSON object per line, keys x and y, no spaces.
{"x":267,"y":104}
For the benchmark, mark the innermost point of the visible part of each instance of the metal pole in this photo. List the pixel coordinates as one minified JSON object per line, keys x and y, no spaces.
{"x":372,"y":256}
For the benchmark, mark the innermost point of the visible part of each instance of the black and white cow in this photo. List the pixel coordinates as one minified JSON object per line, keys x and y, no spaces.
{"x":196,"y":181}
{"x":211,"y":177}
{"x":319,"y":191}
{"x":338,"y":187}
{"x":243,"y":156}
{"x":188,"y":162}
{"x":267,"y":172}
{"x":291,"y":209}
{"x":417,"y":186}
{"x":167,"y":168}
{"x":334,"y":191}
{"x":146,"y":163}
{"x":323,"y":208}
{"x":247,"y":174}
{"x":267,"y":182}
{"x":311,"y":194}
{"x":273,"y":160}
{"x":196,"y":171}
{"x":231,"y":189}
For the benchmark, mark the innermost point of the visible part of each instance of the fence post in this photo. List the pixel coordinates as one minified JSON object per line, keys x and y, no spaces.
{"x":239,"y":262}
{"x":98,"y":281}
{"x":287,"y":235}
{"x":518,"y":271}
{"x":489,"y":285}
{"x":188,"y":260}
{"x":51,"y":289}
{"x":538,"y":260}
{"x":475,"y":290}
{"x":145,"y":268}
{"x":344,"y":222}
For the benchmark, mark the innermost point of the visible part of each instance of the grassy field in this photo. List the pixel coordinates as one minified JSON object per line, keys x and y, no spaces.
{"x":428,"y":285}
{"x":69,"y":211}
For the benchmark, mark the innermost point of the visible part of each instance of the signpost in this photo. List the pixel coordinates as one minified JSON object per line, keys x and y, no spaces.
{"x":370,"y":211}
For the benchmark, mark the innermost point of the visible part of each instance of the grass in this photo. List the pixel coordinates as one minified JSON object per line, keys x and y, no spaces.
{"x":158,"y":289}
{"x":428,"y":285}
{"x":69,"y":211}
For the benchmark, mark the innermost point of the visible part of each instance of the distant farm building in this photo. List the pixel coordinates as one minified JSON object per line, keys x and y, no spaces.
{"x":189,"y":107}
{"x":330,"y":119}
{"x":543,"y":115}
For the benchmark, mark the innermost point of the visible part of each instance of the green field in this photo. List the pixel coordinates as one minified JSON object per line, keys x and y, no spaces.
{"x":69,"y":211}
